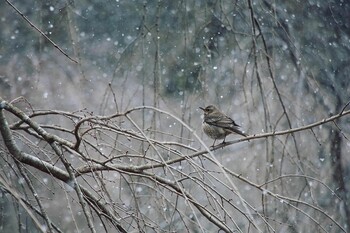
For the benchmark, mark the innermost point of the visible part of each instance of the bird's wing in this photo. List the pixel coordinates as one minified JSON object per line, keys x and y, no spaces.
{"x":221,"y":121}
{"x":224,"y":122}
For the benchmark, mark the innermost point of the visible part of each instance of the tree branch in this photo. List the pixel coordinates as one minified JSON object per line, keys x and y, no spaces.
{"x":42,"y":33}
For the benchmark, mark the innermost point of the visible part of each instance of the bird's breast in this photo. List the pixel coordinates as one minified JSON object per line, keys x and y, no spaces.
{"x":213,"y":131}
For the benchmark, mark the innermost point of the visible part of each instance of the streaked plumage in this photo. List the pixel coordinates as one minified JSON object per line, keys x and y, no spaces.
{"x":217,"y":125}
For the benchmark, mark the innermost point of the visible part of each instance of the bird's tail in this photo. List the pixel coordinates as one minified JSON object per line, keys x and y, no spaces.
{"x":237,"y":131}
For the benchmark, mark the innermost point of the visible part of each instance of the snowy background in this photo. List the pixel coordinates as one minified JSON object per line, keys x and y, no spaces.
{"x":270,"y":66}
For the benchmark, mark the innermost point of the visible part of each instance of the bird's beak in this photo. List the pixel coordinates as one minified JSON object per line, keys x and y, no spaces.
{"x":201,"y":108}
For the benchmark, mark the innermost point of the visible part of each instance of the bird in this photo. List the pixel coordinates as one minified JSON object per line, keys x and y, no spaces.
{"x":217,"y":125}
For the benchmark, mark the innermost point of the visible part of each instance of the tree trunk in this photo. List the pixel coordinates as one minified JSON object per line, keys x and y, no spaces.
{"x":338,"y":171}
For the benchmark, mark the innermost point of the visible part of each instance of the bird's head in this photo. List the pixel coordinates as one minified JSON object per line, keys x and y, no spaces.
{"x":209,"y":109}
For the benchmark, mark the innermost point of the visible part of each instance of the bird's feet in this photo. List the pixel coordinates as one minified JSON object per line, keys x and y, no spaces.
{"x":223,"y":143}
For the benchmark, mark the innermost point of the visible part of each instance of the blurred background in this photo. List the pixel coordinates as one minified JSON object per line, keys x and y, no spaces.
{"x":270,"y":65}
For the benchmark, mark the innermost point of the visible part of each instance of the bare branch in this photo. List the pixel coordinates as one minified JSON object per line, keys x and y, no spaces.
{"x":42,"y":33}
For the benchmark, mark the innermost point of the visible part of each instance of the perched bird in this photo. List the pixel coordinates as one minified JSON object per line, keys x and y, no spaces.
{"x":217,"y":125}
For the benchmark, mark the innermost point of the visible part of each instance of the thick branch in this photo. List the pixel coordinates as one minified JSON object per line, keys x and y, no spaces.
{"x":36,"y":162}
{"x":27,"y":158}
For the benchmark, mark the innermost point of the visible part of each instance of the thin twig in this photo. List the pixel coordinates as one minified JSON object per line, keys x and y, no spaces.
{"x":42,"y":33}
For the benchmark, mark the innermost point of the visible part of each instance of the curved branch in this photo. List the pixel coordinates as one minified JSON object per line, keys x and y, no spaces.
{"x":40,"y":164}
{"x":139,"y":170}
